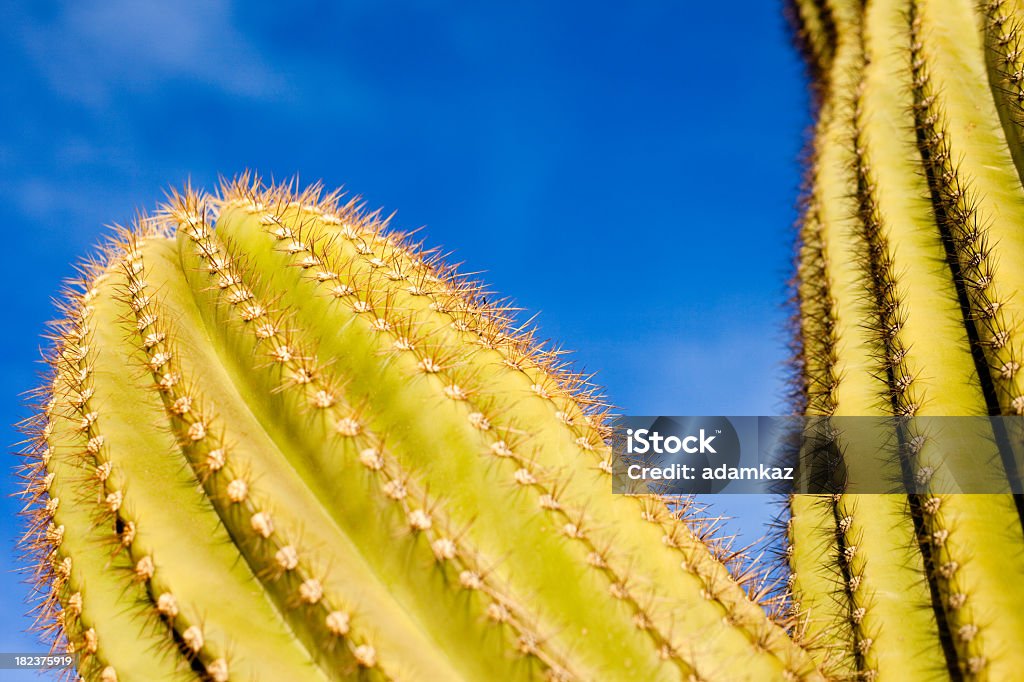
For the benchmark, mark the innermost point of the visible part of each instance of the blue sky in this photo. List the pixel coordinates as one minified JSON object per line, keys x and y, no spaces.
{"x":627,"y":171}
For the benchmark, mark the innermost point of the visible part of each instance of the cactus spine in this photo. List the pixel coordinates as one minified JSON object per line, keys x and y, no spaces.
{"x":909,"y":281}
{"x":280,"y":442}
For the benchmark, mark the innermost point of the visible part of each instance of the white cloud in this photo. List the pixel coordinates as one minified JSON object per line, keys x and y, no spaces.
{"x":92,"y":48}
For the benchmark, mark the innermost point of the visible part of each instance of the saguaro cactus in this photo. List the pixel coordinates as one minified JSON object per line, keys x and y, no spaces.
{"x":911,"y":271}
{"x":281,"y":443}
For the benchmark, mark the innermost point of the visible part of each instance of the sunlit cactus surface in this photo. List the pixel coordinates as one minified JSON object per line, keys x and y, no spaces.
{"x":279,"y":441}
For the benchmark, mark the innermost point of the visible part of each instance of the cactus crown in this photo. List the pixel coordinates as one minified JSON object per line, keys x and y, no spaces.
{"x":279,"y":441}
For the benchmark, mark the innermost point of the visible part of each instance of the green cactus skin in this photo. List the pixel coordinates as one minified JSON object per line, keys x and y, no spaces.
{"x":281,"y":443}
{"x":910,"y":272}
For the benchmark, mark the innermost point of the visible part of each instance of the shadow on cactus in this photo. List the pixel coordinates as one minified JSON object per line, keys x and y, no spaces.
{"x":279,"y":442}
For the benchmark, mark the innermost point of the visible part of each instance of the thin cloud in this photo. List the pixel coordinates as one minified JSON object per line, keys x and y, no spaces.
{"x":89,"y":50}
{"x":731,"y":371}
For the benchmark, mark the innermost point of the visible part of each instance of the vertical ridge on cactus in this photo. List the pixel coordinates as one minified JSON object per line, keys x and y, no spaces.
{"x":911,"y":260}
{"x":815,"y":33}
{"x":281,"y":441}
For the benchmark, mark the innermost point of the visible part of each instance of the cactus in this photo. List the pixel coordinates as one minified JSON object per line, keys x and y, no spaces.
{"x":282,"y":442}
{"x":909,"y":283}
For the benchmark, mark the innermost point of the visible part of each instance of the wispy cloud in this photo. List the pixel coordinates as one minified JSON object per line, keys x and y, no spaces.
{"x":43,"y":200}
{"x":736,"y":370}
{"x":91,"y":49}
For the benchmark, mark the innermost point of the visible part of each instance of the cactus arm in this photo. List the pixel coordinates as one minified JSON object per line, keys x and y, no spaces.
{"x":933,"y":339}
{"x":946,"y":535}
